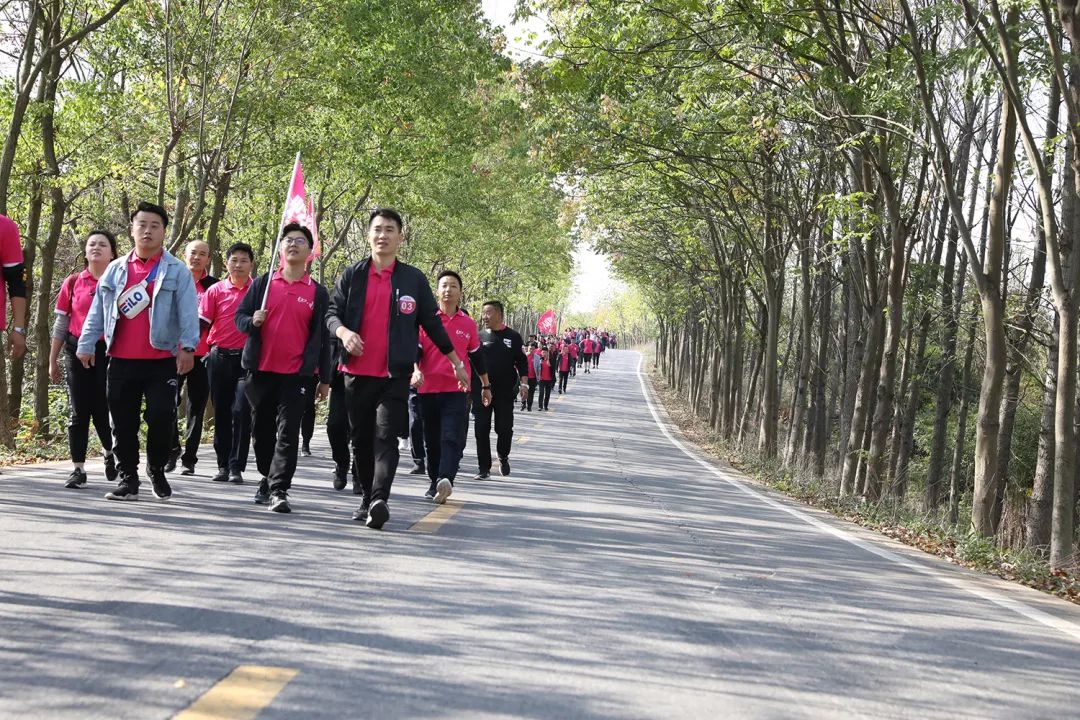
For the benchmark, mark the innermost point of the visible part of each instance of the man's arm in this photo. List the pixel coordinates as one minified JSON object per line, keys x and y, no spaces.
{"x":245,"y":313}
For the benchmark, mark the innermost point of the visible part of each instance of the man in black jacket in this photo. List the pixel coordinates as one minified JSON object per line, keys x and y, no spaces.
{"x":291,"y":320}
{"x":376,"y":311}
{"x":506,"y":365}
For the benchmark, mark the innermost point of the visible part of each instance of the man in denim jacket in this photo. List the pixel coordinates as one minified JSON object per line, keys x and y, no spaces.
{"x":147,"y":309}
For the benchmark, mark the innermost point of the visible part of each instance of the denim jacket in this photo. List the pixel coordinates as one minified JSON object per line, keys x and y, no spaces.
{"x":174,"y":310}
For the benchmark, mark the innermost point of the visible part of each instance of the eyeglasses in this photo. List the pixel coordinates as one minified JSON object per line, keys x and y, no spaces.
{"x":294,"y":240}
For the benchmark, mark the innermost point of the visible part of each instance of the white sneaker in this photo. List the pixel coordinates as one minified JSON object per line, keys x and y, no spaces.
{"x":403,"y":445}
{"x":443,"y":490}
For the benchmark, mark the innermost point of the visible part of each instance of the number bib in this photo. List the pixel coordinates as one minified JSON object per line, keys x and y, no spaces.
{"x":134,"y":300}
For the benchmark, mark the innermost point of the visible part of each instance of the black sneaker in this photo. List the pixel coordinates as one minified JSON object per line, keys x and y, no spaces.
{"x":482,"y":475}
{"x":76,"y":480}
{"x":305,"y":450}
{"x":174,"y":457}
{"x":236,"y":478}
{"x":123,"y":492}
{"x":378,"y":514}
{"x":279,"y":503}
{"x":222,"y":475}
{"x":341,"y":479}
{"x":360,"y":514}
{"x":111,"y":473}
{"x":189,"y":469}
{"x":262,"y":494}
{"x":430,"y":494}
{"x":443,"y":489}
{"x":504,"y":466}
{"x":419,"y":469}
{"x":162,"y":489}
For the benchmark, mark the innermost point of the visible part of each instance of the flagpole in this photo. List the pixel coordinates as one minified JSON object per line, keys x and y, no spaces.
{"x":281,"y":227}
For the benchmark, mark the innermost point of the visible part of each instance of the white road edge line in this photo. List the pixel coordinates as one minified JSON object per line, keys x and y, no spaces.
{"x":1017,"y":606}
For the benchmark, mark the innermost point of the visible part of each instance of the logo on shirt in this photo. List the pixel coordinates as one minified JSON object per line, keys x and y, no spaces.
{"x":462,"y":334}
{"x":407,"y":304}
{"x":309,"y":303}
{"x":506,"y":342}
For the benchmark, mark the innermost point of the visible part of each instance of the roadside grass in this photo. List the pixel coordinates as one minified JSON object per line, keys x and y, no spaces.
{"x":930,"y":532}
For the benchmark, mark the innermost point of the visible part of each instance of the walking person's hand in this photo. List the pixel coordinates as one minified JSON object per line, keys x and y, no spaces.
{"x":417,"y":379}
{"x":54,"y":371}
{"x":351,"y":342}
{"x":87,"y":359}
{"x":322,"y":392}
{"x":259,"y":317}
{"x":485,"y":396}
{"x":185,"y":361}
{"x":462,"y":377}
{"x":16,"y":345}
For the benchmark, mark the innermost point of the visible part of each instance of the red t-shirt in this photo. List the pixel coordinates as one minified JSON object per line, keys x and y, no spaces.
{"x":10,"y":255}
{"x":545,"y":370}
{"x":574,"y":350}
{"x":374,"y":327}
{"x":203,"y":347}
{"x":131,"y":338}
{"x":285,"y":333}
{"x":564,"y":362}
{"x":529,"y":363}
{"x":75,"y":298}
{"x":217,"y":306}
{"x":438,"y":372}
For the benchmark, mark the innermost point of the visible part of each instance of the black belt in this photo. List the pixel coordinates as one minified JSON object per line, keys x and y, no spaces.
{"x":227,"y":352}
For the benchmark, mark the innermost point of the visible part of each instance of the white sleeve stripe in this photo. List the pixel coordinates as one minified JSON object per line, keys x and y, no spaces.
{"x":14,"y":264}
{"x":60,"y":312}
{"x":203,"y":317}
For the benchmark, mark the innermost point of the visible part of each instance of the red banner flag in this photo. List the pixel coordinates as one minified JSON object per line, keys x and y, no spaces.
{"x":316,"y":248}
{"x":547,"y":324}
{"x":298,"y":209}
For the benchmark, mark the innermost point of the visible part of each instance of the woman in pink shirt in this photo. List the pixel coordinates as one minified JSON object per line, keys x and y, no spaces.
{"x":533,"y":352}
{"x":564,"y":367}
{"x":86,"y":386}
{"x":443,"y":397}
{"x":545,"y":373}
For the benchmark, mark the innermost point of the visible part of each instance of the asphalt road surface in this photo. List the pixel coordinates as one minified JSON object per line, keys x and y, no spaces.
{"x":614,"y":574}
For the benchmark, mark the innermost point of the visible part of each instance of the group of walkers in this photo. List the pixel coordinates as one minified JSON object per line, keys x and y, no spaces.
{"x":394,"y":358}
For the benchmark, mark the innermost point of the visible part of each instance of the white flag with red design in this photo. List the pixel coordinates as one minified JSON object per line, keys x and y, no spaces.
{"x":547,"y":323}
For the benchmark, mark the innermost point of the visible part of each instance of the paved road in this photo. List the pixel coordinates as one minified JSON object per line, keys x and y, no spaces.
{"x":612,"y":576}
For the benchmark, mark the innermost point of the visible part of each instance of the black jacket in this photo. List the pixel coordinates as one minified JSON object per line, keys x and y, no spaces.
{"x":406,"y":283}
{"x":316,"y":352}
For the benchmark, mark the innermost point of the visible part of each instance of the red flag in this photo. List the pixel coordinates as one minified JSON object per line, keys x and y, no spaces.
{"x":296,"y":205}
{"x":547,"y":323}
{"x":316,"y":248}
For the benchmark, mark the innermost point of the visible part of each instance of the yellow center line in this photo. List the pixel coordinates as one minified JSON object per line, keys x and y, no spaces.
{"x":240,"y":695}
{"x":438,"y":517}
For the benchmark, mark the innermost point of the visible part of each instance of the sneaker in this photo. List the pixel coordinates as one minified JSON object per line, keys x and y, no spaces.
{"x":360,"y":514}
{"x":484,"y":475}
{"x":403,"y":445}
{"x":222,"y":475}
{"x":341,"y":479}
{"x":378,"y":514}
{"x":305,"y":450}
{"x":236,"y":478}
{"x":162,"y":489}
{"x":189,"y":469}
{"x":504,"y":466}
{"x":419,"y":469}
{"x":279,"y":503}
{"x":76,"y":480}
{"x":443,"y":489}
{"x":174,"y":457}
{"x":123,"y":491}
{"x":262,"y":495}
{"x":430,"y":494}
{"x":111,"y":473}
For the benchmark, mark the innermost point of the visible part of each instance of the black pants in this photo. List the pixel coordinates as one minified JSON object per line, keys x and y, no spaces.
{"x":532,"y":392}
{"x":277,"y":407}
{"x":89,"y":401}
{"x":588,"y":361}
{"x":232,"y":414}
{"x":573,"y":367}
{"x":378,"y":416}
{"x":596,"y":359}
{"x":198,"y":385}
{"x":337,"y":424}
{"x":545,"y":393}
{"x":444,"y":432}
{"x":416,"y":428}
{"x":307,"y":425}
{"x":129,"y":383}
{"x":564,"y":376}
{"x":502,"y":408}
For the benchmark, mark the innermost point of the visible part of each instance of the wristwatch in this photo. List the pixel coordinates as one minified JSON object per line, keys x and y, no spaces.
{"x":188,"y":349}
{"x":20,"y":330}
{"x":460,"y":366}
{"x":485,"y":387}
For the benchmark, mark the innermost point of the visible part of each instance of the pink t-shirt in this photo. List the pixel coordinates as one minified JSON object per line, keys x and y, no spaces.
{"x":290,"y":306}
{"x":438,"y":372}
{"x":10,"y":255}
{"x":74,"y":299}
{"x":545,"y":370}
{"x":203,"y":347}
{"x":564,"y":362}
{"x":374,"y":327}
{"x":574,"y":350}
{"x":217,"y":306}
{"x":131,"y":338}
{"x":529,"y":363}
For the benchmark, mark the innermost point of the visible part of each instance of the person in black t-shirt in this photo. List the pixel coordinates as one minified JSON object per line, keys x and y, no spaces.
{"x":505,"y":361}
